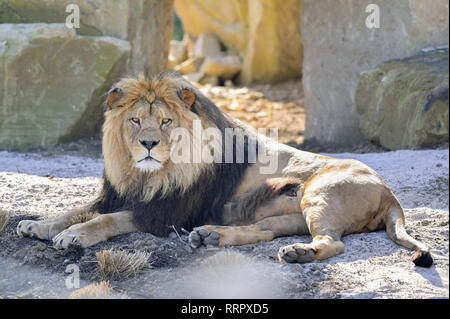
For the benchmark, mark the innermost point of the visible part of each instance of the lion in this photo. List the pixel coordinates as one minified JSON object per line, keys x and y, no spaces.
{"x":221,"y":203}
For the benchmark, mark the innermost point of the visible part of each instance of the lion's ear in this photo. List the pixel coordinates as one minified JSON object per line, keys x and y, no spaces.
{"x":113,"y":96}
{"x":188,"y":96}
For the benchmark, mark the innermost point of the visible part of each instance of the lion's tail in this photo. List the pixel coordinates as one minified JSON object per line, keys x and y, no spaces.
{"x":395,"y":227}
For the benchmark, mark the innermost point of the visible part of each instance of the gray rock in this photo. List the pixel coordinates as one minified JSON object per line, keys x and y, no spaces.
{"x":146,"y":24}
{"x":95,"y":15}
{"x":338,"y":46}
{"x":178,"y":52}
{"x":207,"y":45}
{"x":53,"y":82}
{"x":404,"y":103}
{"x":189,"y":66}
{"x":194,"y":77}
{"x":150,"y":25}
{"x":209,"y":79}
{"x":224,"y":66}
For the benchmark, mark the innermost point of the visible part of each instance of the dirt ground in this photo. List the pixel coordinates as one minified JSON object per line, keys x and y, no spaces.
{"x":372,"y":266}
{"x":46,"y":183}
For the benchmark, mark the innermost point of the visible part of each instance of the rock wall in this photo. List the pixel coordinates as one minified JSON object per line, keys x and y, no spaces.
{"x":53,"y":78}
{"x":264,"y":32}
{"x":404,"y":103}
{"x":338,"y":47}
{"x":146,"y":24}
{"x":53,"y":82}
{"x":150,"y":25}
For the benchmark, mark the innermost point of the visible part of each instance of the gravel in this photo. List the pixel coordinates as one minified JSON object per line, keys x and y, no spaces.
{"x":372,"y":266}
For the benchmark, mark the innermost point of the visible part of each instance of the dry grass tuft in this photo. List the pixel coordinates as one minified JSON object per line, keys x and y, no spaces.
{"x":82,"y":218}
{"x":116,"y":264}
{"x":4,"y":219}
{"x":101,"y":290}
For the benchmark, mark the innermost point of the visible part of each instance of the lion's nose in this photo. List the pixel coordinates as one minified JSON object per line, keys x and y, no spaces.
{"x":149,"y":144}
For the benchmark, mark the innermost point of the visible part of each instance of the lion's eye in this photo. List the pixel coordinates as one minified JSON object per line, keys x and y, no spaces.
{"x":135,"y":120}
{"x":292,"y":192}
{"x":166,"y":122}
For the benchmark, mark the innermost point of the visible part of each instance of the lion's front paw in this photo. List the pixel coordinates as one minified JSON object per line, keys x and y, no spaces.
{"x":296,"y":253}
{"x":70,"y":237}
{"x":200,"y":236}
{"x":33,"y":229}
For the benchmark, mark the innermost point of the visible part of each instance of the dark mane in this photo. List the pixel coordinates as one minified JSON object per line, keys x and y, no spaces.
{"x":202,"y":202}
{"x":244,"y":207}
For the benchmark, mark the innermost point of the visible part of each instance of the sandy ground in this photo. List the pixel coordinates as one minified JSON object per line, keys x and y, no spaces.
{"x":372,"y":266}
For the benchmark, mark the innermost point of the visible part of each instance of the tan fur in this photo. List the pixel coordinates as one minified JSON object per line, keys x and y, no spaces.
{"x":118,"y":151}
{"x":47,"y":229}
{"x":96,"y":230}
{"x":130,"y":97}
{"x":334,"y":197}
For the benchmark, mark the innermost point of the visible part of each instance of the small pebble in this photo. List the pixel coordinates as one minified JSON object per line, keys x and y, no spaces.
{"x":315,"y":267}
{"x":41,"y":247}
{"x":188,"y":248}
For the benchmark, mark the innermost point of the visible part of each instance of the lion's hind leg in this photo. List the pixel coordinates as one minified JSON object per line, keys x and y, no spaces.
{"x":321,"y":247}
{"x":326,"y":234}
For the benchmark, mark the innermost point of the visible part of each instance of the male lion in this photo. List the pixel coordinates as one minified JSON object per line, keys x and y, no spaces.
{"x":144,"y":189}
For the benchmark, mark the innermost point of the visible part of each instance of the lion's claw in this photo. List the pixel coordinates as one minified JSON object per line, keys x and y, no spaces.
{"x":67,"y":238}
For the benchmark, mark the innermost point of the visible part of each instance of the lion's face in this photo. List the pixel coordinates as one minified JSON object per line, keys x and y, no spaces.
{"x":146,"y":131}
{"x":141,"y":116}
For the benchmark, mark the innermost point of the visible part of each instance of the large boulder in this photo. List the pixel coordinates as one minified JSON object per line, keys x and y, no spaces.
{"x":224,"y":66}
{"x":146,"y":24}
{"x":338,"y":46}
{"x":265,"y":33}
{"x":191,"y":65}
{"x":53,"y":82}
{"x":178,"y":53}
{"x":95,"y":16}
{"x":404,"y":103}
{"x":206,"y":45}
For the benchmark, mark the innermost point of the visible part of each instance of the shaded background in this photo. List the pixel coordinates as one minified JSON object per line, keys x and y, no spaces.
{"x":311,"y":68}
